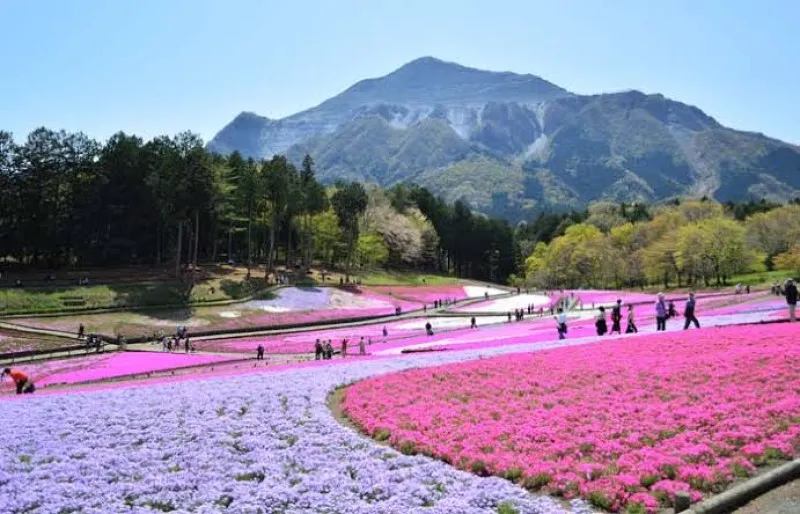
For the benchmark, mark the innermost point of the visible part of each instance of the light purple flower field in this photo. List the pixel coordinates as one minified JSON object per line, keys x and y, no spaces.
{"x":257,"y":443}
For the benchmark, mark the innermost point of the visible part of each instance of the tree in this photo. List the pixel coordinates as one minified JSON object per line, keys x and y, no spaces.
{"x":371,"y":249}
{"x":314,"y":201}
{"x":348,"y":202}
{"x":276,"y":192}
{"x":789,"y":260}
{"x":327,"y":235}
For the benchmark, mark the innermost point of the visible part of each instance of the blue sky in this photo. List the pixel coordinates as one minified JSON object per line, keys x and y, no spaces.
{"x":155,"y":67}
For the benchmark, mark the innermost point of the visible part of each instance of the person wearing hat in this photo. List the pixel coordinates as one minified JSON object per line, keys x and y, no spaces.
{"x":790,"y":291}
{"x":21,"y":380}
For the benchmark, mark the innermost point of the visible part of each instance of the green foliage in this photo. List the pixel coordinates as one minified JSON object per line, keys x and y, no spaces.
{"x":691,"y":243}
{"x":371,"y":250}
{"x":507,"y":508}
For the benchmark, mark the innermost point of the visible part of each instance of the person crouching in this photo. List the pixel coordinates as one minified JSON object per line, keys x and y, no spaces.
{"x":21,"y":380}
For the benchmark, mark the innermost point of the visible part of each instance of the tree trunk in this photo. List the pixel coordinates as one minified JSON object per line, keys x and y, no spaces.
{"x":188,"y":244}
{"x":289,"y":249}
{"x":178,"y":252}
{"x":271,"y":251}
{"x":158,"y":244}
{"x":196,"y":237}
{"x":249,"y":242}
{"x":230,"y":242}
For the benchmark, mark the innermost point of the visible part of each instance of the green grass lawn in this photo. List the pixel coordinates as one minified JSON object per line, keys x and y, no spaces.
{"x":403,"y":278}
{"x":764,"y":278}
{"x":57,"y":299}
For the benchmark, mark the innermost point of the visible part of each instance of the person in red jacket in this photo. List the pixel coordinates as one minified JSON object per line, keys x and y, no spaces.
{"x":21,"y":380}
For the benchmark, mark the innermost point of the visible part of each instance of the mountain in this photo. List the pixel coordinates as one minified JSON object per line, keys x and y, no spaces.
{"x":512,"y":144}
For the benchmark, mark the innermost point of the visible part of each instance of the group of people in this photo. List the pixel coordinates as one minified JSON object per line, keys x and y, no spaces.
{"x":323,"y":350}
{"x":519,"y":315}
{"x":176,"y":342}
{"x":664,"y":311}
{"x":601,"y":325}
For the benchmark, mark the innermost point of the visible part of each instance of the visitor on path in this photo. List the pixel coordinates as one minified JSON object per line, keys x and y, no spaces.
{"x":473,"y":323}
{"x":600,"y":322}
{"x":688,"y":313}
{"x":509,"y":316}
{"x":561,"y":321}
{"x":344,"y":348}
{"x":791,"y":299}
{"x":187,"y":345}
{"x":428,"y":328}
{"x":260,"y":353}
{"x":747,"y":289}
{"x":631,"y":328}
{"x":671,"y":312}
{"x":661,"y":314}
{"x":21,"y":380}
{"x":385,"y":332}
{"x":328,"y":355}
{"x":362,"y":349}
{"x":318,"y":349}
{"x":81,"y":331}
{"x":616,"y":318}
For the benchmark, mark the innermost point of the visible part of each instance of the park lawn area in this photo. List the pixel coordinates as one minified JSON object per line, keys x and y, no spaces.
{"x":403,"y":278}
{"x":763,"y":278}
{"x":60,"y":299}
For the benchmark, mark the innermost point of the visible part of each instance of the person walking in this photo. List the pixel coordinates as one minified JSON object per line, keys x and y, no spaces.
{"x":21,"y":380}
{"x":318,"y":350}
{"x":260,"y":353}
{"x":790,"y":291}
{"x":344,"y":348}
{"x":328,"y":355}
{"x":473,"y":323}
{"x":81,"y":331}
{"x":616,"y":318}
{"x":688,"y":313}
{"x":600,"y":322}
{"x":362,"y":349}
{"x":561,"y":321}
{"x":661,"y":313}
{"x":631,"y":328}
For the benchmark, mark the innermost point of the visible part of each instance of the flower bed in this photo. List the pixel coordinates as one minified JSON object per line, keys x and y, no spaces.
{"x":109,"y":365}
{"x":257,"y":442}
{"x":626,"y":423}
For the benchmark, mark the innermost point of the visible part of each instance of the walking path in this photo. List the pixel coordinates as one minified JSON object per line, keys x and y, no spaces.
{"x":783,"y":500}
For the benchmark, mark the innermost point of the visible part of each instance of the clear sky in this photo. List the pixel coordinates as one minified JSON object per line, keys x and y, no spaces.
{"x":155,"y":67}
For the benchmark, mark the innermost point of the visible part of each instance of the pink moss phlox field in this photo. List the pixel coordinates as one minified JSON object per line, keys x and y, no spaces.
{"x":95,"y":367}
{"x":630,"y":421}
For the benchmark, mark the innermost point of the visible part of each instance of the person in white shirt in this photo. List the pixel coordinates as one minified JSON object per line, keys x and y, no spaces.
{"x":561,"y":321}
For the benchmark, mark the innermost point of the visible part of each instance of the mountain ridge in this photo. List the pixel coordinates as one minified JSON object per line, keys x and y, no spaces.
{"x":512,"y":144}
